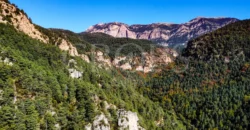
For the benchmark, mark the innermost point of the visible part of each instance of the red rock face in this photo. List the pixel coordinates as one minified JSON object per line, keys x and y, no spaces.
{"x":170,"y":34}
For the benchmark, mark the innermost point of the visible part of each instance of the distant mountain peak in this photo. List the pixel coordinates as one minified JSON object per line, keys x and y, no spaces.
{"x":163,"y":33}
{"x":209,"y":18}
{"x":164,"y":23}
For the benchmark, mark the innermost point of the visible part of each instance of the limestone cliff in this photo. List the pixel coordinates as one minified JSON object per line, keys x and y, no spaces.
{"x":163,"y":33}
{"x":11,"y":14}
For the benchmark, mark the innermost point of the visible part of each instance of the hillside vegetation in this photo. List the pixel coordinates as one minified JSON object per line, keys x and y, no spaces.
{"x":44,"y":85}
{"x":37,"y":91}
{"x":210,"y":90}
{"x":127,"y":45}
{"x":230,"y":42}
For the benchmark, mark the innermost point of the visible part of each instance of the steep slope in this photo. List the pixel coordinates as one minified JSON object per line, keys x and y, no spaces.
{"x":120,"y":53}
{"x":39,"y":91}
{"x":75,"y":45}
{"x":209,"y":86}
{"x":42,"y":87}
{"x":163,"y":33}
{"x":11,"y":14}
{"x":131,"y":54}
{"x":228,"y":43}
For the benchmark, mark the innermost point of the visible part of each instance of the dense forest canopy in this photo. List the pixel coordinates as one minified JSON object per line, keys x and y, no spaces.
{"x":231,"y":41}
{"x":112,"y":45}
{"x":37,"y":84}
{"x":213,"y":92}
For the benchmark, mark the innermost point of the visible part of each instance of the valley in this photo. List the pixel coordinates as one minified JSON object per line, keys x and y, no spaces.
{"x":116,"y":76}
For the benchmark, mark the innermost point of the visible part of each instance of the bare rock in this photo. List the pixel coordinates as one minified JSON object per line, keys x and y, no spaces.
{"x":128,"y":120}
{"x":20,"y":21}
{"x":100,"y":123}
{"x":126,"y":66}
{"x":75,"y":74}
{"x":163,"y":33}
{"x":67,"y":46}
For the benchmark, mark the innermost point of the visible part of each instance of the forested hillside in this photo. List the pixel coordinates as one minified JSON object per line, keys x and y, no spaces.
{"x":121,"y":53}
{"x":101,"y":40}
{"x":230,"y":42}
{"x":212,"y":89}
{"x":52,"y":79}
{"x":36,"y":90}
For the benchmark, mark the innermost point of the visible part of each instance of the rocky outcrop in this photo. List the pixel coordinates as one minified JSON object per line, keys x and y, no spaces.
{"x":126,"y":66}
{"x":6,"y":61}
{"x":128,"y":120}
{"x":125,"y":120}
{"x":147,"y":62}
{"x":67,"y":46}
{"x":101,"y":58}
{"x":75,"y":74}
{"x":163,"y":33}
{"x":100,"y":123}
{"x":11,"y":14}
{"x":85,"y":58}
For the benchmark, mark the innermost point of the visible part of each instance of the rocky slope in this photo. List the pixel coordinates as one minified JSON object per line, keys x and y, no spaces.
{"x":128,"y":54}
{"x":163,"y":33}
{"x":146,"y":63}
{"x":18,"y":33}
{"x":38,"y":92}
{"x":19,"y":19}
{"x":127,"y":120}
{"x":11,"y":14}
{"x":228,"y":44}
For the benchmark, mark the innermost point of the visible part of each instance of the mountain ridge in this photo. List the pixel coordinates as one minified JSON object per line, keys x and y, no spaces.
{"x":163,"y":33}
{"x":52,"y":85}
{"x":226,"y":43}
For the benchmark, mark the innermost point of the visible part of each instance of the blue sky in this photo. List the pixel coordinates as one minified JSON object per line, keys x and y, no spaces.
{"x":78,"y":15}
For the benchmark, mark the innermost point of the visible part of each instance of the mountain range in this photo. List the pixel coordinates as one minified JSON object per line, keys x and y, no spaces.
{"x":167,"y":34}
{"x":116,"y":77}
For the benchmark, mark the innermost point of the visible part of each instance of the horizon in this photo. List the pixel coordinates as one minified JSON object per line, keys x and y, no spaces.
{"x":83,"y":14}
